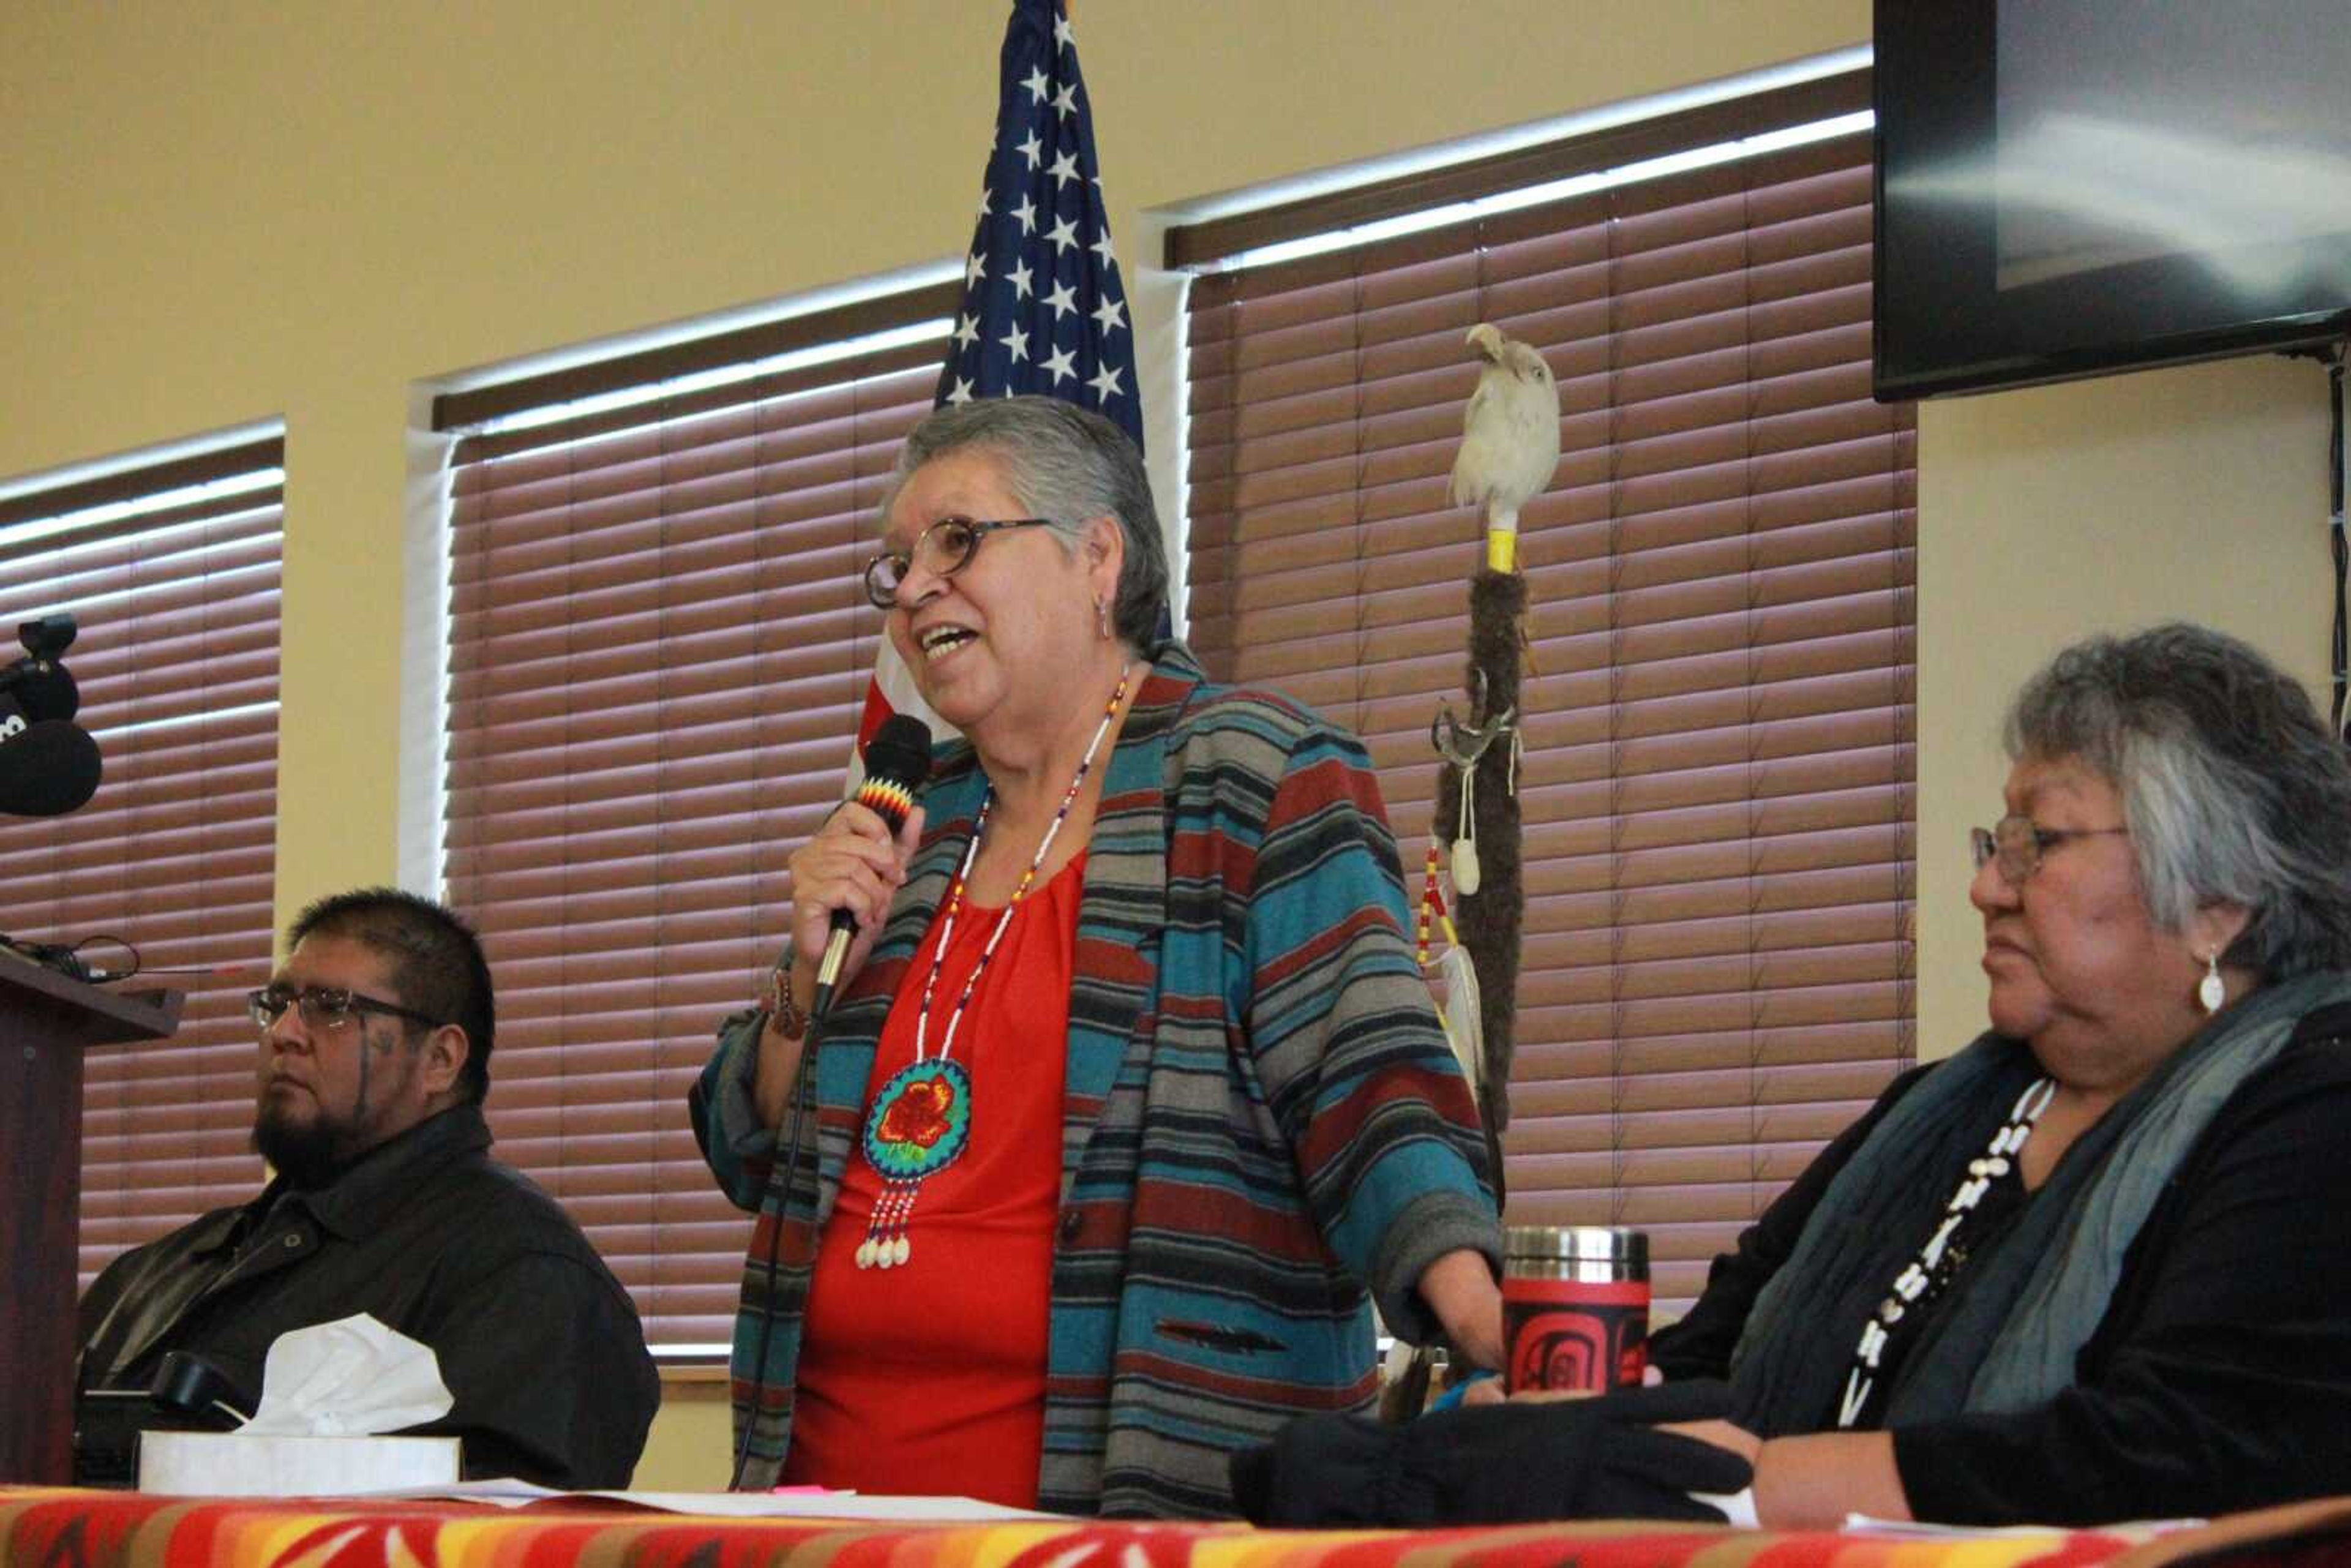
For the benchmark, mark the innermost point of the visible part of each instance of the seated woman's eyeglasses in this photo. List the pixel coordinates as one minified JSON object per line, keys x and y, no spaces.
{"x":323,"y":1007}
{"x":944,"y":548}
{"x":2017,"y":845}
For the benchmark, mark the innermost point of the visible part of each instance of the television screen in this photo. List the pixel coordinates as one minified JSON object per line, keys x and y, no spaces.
{"x":2067,"y":187}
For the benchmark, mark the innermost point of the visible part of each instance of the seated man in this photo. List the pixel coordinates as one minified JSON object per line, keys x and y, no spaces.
{"x":375,"y":1049}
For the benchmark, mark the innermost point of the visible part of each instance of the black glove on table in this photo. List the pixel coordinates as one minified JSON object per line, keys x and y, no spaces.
{"x":1570,"y":1458}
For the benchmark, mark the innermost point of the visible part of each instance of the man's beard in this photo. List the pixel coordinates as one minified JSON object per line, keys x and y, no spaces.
{"x":308,"y":1156}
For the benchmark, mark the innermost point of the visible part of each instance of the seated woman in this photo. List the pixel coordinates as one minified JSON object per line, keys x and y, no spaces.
{"x":2091,"y":1268}
{"x":1132,"y":1019}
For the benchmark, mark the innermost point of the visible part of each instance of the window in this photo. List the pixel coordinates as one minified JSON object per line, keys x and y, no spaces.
{"x":658,"y":654}
{"x":171,"y":571}
{"x":1718,"y":779}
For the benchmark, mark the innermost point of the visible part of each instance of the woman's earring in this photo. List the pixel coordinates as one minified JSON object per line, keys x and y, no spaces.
{"x":1102,"y":615}
{"x":2210,"y":990}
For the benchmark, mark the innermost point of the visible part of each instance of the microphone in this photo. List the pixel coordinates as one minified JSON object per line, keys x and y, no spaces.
{"x":38,"y":689}
{"x":897,"y":760}
{"x":48,"y":767}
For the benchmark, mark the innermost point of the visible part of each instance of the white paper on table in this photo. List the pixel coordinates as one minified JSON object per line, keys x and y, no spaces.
{"x":509,"y":1493}
{"x":1911,"y":1529}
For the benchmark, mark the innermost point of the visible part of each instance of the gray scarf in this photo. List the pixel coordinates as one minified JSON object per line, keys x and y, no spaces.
{"x":2021,"y":1312}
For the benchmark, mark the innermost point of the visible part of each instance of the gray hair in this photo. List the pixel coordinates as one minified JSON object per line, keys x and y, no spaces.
{"x":2233,"y":789}
{"x":1066,"y":464}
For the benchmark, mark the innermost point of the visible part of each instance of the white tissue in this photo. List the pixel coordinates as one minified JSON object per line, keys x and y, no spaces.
{"x":348,"y":1378}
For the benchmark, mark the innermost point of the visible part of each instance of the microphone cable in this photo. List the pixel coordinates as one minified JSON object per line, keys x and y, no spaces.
{"x":66,"y":958}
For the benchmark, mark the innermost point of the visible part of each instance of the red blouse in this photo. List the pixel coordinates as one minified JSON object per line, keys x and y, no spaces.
{"x":929,"y":1378}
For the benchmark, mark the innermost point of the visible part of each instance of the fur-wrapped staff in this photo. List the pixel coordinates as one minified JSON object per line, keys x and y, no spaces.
{"x":1509,"y":447}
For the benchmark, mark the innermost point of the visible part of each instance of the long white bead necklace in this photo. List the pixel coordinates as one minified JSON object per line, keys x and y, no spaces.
{"x":921,"y":1120}
{"x":1930,"y":1272}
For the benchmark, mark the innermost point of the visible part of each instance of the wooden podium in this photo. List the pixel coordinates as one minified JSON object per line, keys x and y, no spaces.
{"x":46,"y":1021}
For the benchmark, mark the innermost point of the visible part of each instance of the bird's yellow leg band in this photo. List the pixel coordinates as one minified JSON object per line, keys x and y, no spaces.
{"x":1501,"y":549}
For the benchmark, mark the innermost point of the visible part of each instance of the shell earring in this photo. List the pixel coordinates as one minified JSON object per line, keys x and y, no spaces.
{"x":1102,"y":615}
{"x":2211,"y":991}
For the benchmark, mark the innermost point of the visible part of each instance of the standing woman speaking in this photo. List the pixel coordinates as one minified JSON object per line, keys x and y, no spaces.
{"x":1133,"y":1101}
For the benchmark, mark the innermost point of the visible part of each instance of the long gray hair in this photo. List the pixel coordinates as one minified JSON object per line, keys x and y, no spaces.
{"x":2232,"y":787}
{"x":1066,"y":464}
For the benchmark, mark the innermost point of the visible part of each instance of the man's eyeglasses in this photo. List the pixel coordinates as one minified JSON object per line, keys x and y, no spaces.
{"x":944,"y":548}
{"x":323,"y":1007}
{"x":2016,"y":845}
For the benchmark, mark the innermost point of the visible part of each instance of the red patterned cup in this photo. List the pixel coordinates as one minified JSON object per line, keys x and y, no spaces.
{"x":1576,"y":1307}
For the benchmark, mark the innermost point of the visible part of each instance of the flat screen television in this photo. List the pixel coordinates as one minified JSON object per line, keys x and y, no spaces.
{"x":2070,"y":187}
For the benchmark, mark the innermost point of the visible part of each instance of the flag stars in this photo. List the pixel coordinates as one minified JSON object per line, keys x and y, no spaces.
{"x":1057,"y":328}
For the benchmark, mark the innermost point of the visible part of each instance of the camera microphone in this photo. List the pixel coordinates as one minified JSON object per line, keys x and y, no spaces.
{"x":47,"y":769}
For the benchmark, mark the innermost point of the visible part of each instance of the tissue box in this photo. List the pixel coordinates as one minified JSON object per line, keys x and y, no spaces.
{"x":229,"y":1464}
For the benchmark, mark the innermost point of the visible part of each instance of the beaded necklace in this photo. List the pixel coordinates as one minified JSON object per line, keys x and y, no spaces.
{"x":1930,"y":1272}
{"x":921,"y":1120}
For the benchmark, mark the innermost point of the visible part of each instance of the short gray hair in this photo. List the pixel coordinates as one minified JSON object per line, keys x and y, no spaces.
{"x":1066,"y":464}
{"x":2233,"y":789}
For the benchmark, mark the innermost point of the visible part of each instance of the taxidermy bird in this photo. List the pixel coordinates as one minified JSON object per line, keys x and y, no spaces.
{"x":1509,"y":437}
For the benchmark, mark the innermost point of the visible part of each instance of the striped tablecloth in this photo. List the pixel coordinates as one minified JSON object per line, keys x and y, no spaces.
{"x":67,"y":1528}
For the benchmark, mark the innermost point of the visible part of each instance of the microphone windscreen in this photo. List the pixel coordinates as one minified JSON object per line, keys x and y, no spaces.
{"x":897,"y":760}
{"x":47,"y":770}
{"x":44,"y":691}
{"x":900,"y":750}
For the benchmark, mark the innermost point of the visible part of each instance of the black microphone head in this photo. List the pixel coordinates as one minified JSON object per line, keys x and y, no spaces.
{"x":900,"y":750}
{"x":47,"y":770}
{"x":897,"y":760}
{"x":192,"y":1385}
{"x":42,"y":689}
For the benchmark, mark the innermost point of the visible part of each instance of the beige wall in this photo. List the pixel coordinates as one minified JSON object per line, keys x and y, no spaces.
{"x":2197,"y":493}
{"x":690,"y":1446}
{"x":223,"y":212}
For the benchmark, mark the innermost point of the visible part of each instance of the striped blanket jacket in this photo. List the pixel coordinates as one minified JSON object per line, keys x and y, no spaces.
{"x":1263,"y":1130}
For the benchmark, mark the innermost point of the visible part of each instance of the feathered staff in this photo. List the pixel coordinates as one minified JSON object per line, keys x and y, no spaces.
{"x":1509,"y":447}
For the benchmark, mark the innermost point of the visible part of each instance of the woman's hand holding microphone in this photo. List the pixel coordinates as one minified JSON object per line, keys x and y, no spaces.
{"x":854,"y":865}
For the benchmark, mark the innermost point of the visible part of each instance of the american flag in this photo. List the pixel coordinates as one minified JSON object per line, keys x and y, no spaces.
{"x":1043,"y":309}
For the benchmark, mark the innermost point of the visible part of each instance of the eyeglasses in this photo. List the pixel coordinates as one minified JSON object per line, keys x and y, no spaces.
{"x":2017,"y":845}
{"x":323,"y":1007}
{"x":944,"y":548}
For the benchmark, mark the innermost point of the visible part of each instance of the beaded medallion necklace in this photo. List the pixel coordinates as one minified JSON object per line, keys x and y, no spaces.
{"x":921,"y":1120}
{"x":1930,"y":1272}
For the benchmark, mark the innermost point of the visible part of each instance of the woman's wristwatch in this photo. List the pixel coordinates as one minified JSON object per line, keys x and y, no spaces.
{"x":784,"y":1014}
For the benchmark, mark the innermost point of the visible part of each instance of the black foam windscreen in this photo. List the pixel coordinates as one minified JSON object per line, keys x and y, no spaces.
{"x":47,"y":770}
{"x":899,"y":751}
{"x":42,"y":690}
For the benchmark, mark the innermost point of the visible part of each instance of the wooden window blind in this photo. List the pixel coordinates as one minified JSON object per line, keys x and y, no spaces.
{"x":659,"y":651}
{"x":1718,"y":790}
{"x":176,"y":853}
